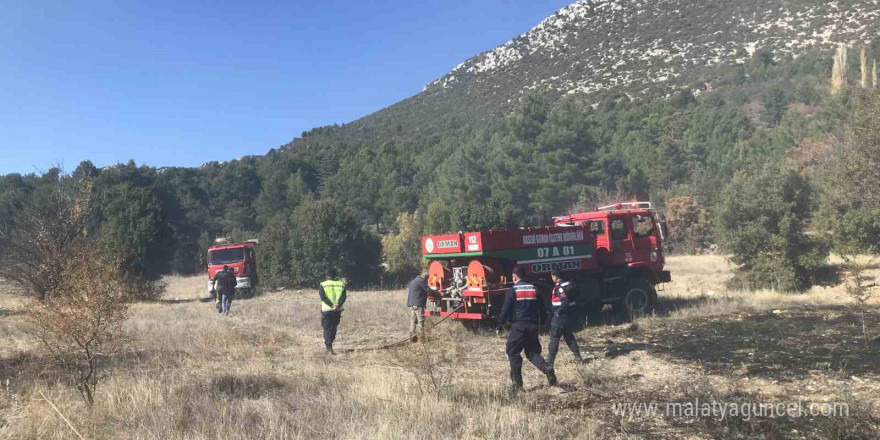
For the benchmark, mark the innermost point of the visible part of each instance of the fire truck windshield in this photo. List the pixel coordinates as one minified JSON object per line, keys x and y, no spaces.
{"x":225,"y":256}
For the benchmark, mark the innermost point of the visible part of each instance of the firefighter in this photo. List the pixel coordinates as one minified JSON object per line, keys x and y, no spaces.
{"x":416,"y":300}
{"x":217,"y":295}
{"x":522,"y":308}
{"x":562,"y":301}
{"x":332,"y":294}
{"x":226,"y":288}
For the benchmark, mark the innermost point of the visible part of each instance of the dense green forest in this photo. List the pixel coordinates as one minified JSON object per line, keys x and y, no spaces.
{"x":546,"y":157}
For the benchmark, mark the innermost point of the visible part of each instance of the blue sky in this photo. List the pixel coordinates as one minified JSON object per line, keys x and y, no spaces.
{"x":185,"y":82}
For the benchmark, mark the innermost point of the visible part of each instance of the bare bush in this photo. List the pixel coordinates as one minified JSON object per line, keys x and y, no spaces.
{"x":860,"y":287}
{"x":433,"y":363}
{"x":44,"y":235}
{"x":80,"y":321}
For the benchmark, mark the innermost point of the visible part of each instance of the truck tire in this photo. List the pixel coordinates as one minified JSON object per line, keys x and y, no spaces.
{"x":639,"y":298}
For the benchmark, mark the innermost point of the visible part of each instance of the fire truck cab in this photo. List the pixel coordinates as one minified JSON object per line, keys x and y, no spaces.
{"x":240,"y":257}
{"x":626,"y":235}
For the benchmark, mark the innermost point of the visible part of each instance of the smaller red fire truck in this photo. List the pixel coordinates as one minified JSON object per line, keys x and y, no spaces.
{"x":240,"y":257}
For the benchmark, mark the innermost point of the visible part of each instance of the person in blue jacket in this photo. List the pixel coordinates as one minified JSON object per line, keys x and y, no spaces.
{"x":522,"y":308}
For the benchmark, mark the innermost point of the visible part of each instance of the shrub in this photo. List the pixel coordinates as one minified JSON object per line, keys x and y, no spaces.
{"x":438,"y":219}
{"x":403,"y":249}
{"x":325,"y":235}
{"x":860,"y":287}
{"x":135,"y":229}
{"x":80,"y":323}
{"x":857,"y":231}
{"x":274,"y":252}
{"x":761,"y":221}
{"x":434,"y":362}
{"x":690,"y":226}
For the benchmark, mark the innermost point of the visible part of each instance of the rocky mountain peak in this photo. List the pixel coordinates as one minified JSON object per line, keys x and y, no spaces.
{"x":594,"y":45}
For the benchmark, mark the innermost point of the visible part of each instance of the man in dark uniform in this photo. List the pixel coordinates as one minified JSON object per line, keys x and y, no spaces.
{"x":332,"y":294}
{"x":218,"y":282}
{"x":226,"y":288}
{"x":561,"y":306}
{"x":522,"y":308}
{"x":416,"y":300}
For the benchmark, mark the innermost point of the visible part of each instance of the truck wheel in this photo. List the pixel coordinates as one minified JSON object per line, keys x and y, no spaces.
{"x":639,"y":298}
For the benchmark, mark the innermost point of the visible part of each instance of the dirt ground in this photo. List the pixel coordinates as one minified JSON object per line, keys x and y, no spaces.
{"x":261,"y":372}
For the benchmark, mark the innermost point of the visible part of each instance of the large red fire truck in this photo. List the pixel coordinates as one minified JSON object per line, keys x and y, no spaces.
{"x":613,"y":254}
{"x":240,"y":257}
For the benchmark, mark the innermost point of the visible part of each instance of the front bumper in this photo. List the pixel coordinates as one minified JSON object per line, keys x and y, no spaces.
{"x":240,"y":283}
{"x":455,"y":315}
{"x":243,"y":283}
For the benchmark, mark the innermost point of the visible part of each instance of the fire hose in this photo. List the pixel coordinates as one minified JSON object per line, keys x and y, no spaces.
{"x":402,"y":341}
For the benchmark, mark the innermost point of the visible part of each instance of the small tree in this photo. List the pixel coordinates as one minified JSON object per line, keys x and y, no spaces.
{"x":856,"y":233}
{"x":133,"y":227}
{"x":761,"y":220}
{"x":438,"y":218}
{"x":850,"y":176}
{"x":81,"y":300}
{"x":690,"y":225}
{"x":326,"y":235}
{"x":775,"y":104}
{"x":80,"y":322}
{"x":860,"y":287}
{"x":403,"y":250}
{"x":274,"y":261}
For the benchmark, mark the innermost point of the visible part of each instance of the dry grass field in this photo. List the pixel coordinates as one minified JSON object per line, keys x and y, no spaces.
{"x":189,"y":373}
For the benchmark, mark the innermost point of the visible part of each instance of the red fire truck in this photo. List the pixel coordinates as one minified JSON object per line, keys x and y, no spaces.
{"x":613,"y":254}
{"x":241,"y":257}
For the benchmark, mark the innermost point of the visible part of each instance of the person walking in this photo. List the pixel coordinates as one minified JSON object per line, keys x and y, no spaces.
{"x":522,"y":308}
{"x":416,"y":300}
{"x":562,"y":301}
{"x":226,"y":289}
{"x":218,"y":278}
{"x":332,"y":294}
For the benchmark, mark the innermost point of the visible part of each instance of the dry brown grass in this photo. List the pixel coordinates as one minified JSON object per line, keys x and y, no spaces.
{"x":260,"y":373}
{"x":185,"y":288}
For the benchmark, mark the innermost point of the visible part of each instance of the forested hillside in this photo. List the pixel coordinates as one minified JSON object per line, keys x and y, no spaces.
{"x":477,"y":149}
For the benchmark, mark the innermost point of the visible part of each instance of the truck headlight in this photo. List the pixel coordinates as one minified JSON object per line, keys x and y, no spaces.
{"x":654,"y":256}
